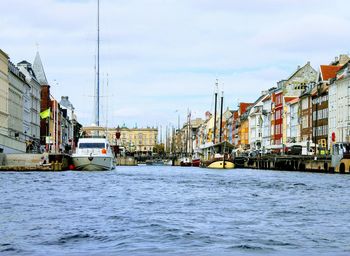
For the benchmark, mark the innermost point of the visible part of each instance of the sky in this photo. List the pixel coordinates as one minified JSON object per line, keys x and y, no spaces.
{"x":161,"y":58}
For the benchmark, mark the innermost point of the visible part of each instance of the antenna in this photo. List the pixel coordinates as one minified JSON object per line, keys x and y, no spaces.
{"x":97,"y":99}
{"x":216,"y":99}
{"x":107,"y":103}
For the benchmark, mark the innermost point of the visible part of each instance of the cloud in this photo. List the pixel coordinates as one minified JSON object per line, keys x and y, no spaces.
{"x":165,"y":55}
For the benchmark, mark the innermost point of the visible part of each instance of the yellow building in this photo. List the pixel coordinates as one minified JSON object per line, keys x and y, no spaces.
{"x":244,"y":133}
{"x":11,"y":107}
{"x":4,"y":91}
{"x":135,"y":140}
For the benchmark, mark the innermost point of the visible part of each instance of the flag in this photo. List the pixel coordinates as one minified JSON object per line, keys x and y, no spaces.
{"x":45,"y":113}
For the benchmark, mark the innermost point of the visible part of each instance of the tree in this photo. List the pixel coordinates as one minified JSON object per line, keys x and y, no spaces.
{"x":159,"y":149}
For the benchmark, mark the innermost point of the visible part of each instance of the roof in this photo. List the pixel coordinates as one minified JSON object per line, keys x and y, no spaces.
{"x":267,"y":98}
{"x":328,"y":71}
{"x":300,"y":68}
{"x":39,"y":70}
{"x":293,"y":101}
{"x":289,"y":98}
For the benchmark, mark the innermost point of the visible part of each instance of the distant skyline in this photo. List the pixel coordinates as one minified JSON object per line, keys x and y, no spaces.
{"x":162,"y":57}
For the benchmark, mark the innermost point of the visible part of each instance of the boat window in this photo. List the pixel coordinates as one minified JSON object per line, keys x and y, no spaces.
{"x":346,"y":148}
{"x":335,"y":149}
{"x":91,"y":145}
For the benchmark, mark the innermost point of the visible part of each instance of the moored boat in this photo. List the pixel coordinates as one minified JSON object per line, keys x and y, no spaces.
{"x":93,"y":154}
{"x":196,"y":162}
{"x":185,"y":161}
{"x":219,"y":162}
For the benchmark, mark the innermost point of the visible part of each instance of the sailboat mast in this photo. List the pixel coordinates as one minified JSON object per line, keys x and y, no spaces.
{"x":216,"y":99}
{"x":221,"y":110}
{"x":97,"y":92}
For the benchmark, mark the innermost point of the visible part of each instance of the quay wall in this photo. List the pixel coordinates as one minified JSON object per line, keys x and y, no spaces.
{"x":34,"y":162}
{"x":289,"y":163}
{"x":126,"y":161}
{"x":23,"y":159}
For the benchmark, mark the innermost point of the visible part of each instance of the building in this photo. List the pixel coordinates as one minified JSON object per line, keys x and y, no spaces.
{"x":12,"y":85}
{"x":255,"y":119}
{"x":296,"y":84}
{"x":266,"y":120}
{"x":292,"y":122}
{"x":320,"y":105}
{"x":136,"y":141}
{"x":277,"y":117}
{"x":15,"y":104}
{"x":31,"y":99}
{"x":69,"y":124}
{"x":241,"y":132}
{"x":305,"y":107}
{"x":339,"y":104}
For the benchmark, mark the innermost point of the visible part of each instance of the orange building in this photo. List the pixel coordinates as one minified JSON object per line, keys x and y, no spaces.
{"x":244,"y":133}
{"x":242,"y":125}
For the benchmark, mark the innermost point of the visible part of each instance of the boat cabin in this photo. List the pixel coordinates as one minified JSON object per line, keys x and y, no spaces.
{"x":341,"y":157}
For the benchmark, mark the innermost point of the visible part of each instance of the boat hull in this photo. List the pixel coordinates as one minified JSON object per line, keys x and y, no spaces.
{"x":93,"y":163}
{"x":196,"y":162}
{"x":219,"y":164}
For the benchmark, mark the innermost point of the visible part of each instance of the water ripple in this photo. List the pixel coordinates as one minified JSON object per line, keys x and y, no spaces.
{"x":172,"y":211}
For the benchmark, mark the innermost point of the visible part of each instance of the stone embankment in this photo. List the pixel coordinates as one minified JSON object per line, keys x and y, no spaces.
{"x":34,"y":162}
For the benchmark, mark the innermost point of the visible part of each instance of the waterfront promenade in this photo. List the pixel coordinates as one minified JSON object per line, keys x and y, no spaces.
{"x":163,"y":210}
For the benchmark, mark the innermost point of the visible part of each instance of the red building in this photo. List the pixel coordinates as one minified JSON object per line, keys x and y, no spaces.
{"x":277,"y":117}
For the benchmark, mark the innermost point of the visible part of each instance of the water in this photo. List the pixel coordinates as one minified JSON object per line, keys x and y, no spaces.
{"x":174,"y":210}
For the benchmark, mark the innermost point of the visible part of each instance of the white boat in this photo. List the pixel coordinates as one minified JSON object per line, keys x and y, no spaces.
{"x":93,"y":154}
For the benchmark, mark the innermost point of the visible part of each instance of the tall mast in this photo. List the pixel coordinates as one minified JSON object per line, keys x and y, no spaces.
{"x":221,"y":110}
{"x":97,"y":92}
{"x":216,"y":99}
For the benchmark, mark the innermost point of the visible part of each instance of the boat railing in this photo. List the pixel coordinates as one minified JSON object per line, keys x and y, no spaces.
{"x":93,"y":136}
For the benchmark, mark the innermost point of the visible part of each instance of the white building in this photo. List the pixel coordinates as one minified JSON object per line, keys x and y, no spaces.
{"x":68,"y":121}
{"x":291,"y":122}
{"x":256,"y":121}
{"x":266,"y":122}
{"x":12,"y":87}
{"x":31,"y":100}
{"x":15,"y":106}
{"x":339,"y":104}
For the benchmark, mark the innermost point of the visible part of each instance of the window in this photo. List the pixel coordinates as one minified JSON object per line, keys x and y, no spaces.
{"x":304,"y":122}
{"x":305,"y":103}
{"x":278,"y":129}
{"x":91,"y":145}
{"x":278,"y":114}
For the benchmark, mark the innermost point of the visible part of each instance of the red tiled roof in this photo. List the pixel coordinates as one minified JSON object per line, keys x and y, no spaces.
{"x":243,"y":106}
{"x":293,"y":101}
{"x":328,"y":71}
{"x":289,"y":98}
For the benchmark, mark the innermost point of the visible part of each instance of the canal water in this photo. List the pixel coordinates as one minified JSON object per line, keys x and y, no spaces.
{"x":174,"y":211}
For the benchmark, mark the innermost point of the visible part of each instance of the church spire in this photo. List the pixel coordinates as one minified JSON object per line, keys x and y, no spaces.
{"x":39,"y":70}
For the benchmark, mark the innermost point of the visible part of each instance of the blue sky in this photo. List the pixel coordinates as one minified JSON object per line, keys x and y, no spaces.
{"x":164,"y":55}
